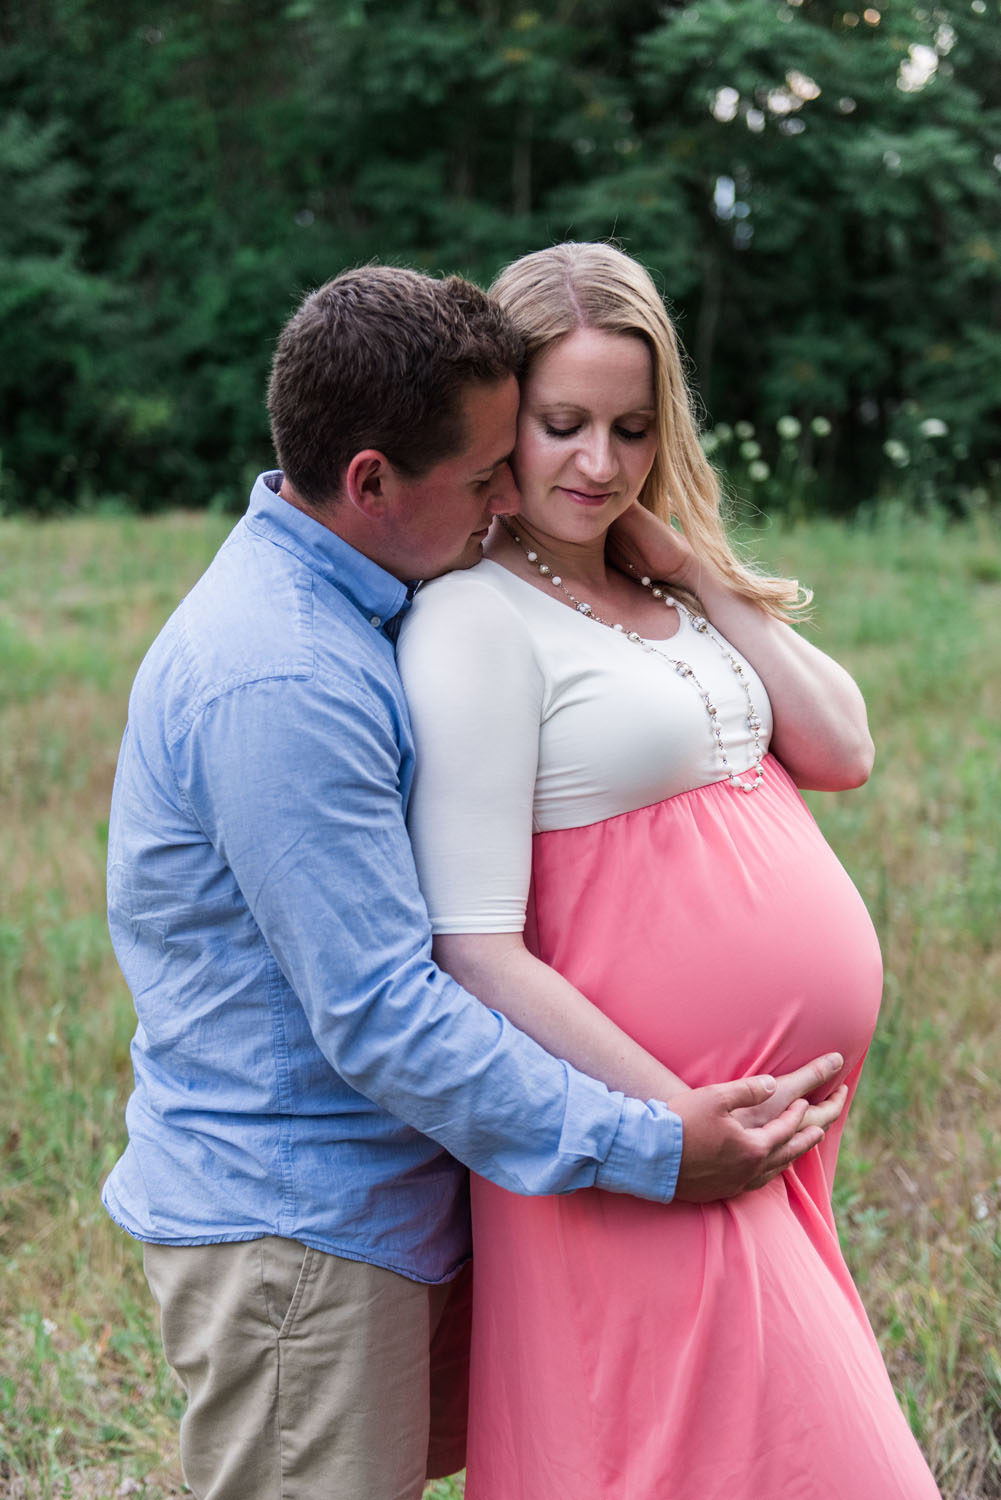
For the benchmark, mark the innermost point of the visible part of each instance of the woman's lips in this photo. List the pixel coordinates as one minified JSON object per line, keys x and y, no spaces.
{"x":580,"y":497}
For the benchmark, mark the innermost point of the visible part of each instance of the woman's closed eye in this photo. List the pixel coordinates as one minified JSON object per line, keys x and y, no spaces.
{"x":627,"y":434}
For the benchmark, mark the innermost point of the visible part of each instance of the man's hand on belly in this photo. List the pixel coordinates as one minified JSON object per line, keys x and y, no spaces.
{"x":738,"y":1136}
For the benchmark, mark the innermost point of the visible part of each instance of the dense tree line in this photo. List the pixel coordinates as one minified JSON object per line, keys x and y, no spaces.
{"x":817,"y":190}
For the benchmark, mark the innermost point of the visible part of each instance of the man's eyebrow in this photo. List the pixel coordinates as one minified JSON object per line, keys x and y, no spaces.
{"x":489,"y":468}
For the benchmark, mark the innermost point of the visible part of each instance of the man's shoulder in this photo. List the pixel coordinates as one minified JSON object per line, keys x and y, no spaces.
{"x":258,"y":616}
{"x":247,"y":618}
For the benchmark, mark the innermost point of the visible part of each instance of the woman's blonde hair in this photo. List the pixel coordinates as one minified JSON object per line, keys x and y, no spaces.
{"x":549,"y":294}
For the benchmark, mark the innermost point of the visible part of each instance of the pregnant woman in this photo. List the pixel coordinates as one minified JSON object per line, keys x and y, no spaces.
{"x":614,"y":851}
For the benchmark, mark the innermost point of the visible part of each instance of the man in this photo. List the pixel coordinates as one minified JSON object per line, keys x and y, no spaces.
{"x":304,"y":1074}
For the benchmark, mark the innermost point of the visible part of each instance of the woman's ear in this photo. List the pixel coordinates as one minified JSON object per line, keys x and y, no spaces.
{"x":369,"y":481}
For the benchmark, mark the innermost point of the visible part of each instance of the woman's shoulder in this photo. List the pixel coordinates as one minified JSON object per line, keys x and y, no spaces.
{"x":466,"y":625}
{"x":486,"y":591}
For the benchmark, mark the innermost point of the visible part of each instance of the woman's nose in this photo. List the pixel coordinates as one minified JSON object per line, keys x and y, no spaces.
{"x":596,"y":459}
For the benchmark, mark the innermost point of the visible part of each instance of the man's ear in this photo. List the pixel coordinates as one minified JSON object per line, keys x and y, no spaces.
{"x":369,"y":482}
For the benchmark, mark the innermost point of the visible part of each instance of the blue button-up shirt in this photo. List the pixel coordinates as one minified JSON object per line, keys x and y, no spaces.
{"x":302,"y":1068}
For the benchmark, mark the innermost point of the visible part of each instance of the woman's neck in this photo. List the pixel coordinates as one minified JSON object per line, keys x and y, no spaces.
{"x":584,"y":562}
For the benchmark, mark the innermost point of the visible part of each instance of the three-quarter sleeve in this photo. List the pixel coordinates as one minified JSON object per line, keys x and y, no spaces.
{"x":476,"y":693}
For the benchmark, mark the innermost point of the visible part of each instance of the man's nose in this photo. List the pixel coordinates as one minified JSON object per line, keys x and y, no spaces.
{"x":505,"y":500}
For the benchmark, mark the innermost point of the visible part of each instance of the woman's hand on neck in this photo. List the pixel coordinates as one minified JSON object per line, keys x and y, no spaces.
{"x":641,"y":543}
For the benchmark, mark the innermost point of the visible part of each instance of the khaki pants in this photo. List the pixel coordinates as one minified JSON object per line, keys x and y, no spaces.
{"x":310,"y":1377}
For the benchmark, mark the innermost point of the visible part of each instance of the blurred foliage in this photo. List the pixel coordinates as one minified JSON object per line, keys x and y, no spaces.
{"x":815,"y":189}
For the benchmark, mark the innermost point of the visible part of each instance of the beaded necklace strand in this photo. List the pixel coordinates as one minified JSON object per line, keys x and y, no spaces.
{"x":683,"y":669}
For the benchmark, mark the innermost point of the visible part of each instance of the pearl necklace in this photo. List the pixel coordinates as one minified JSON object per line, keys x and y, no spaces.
{"x":699,"y":623}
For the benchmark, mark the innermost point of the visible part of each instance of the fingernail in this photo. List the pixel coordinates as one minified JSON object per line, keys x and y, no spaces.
{"x":835,"y":1059}
{"x":769,"y":1082}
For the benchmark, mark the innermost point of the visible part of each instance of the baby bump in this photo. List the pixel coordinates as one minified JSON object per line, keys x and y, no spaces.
{"x":717,"y":928}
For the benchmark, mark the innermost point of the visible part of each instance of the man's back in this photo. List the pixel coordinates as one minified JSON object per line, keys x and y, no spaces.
{"x":239,"y":1125}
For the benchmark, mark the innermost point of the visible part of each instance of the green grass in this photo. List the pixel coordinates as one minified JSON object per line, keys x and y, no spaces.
{"x":912,"y":605}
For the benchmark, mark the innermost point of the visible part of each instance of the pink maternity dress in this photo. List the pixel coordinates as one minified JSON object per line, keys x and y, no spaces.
{"x":569,"y":786}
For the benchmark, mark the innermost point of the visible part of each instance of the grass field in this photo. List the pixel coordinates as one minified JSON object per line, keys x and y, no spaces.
{"x":88,"y":1411}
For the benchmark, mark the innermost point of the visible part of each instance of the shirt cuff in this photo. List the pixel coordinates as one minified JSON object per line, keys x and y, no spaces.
{"x":644,"y":1158}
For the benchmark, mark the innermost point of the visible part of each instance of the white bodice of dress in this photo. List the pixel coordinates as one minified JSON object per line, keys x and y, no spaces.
{"x":528,"y":717}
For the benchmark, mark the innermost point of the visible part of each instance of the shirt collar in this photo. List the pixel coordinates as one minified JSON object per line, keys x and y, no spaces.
{"x":372,"y":591}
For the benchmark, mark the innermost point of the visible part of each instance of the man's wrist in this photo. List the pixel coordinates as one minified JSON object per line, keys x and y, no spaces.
{"x":644,"y":1159}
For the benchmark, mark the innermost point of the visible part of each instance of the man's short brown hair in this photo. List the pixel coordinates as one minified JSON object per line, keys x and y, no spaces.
{"x":380,"y":357}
